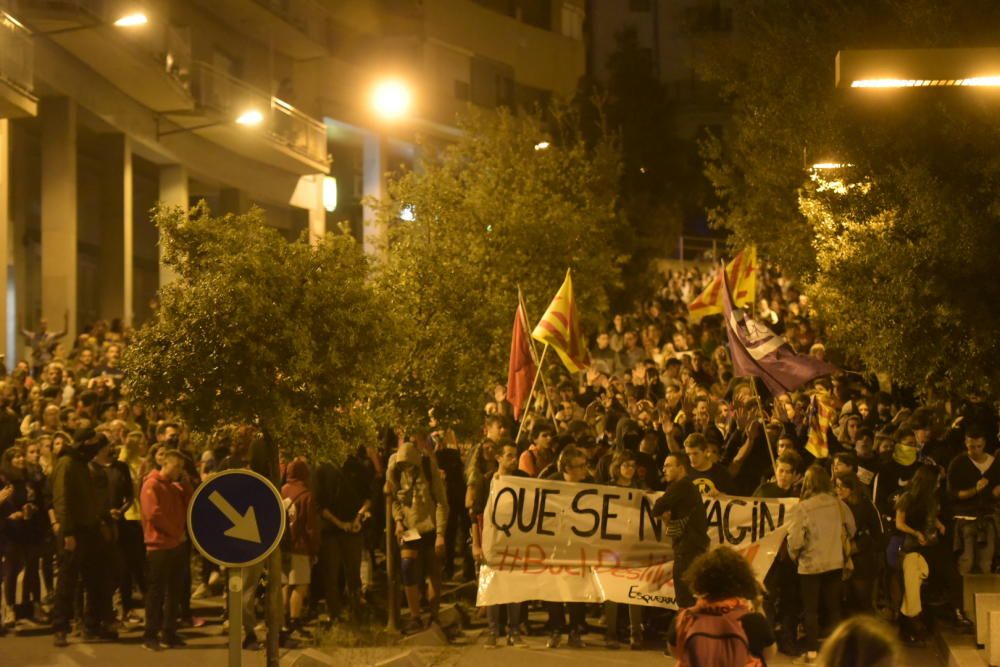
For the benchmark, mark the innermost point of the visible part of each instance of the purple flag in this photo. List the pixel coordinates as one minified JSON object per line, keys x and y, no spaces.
{"x":758,"y":351}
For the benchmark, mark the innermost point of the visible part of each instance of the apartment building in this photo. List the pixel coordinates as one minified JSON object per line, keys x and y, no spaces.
{"x":675,"y":33}
{"x":109,"y":106}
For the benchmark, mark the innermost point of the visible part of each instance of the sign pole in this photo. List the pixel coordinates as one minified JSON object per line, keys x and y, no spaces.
{"x":235,"y":595}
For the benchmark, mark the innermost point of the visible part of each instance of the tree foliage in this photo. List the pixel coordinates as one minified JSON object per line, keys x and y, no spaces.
{"x":259,"y":330}
{"x":899,"y":263}
{"x":491,"y":213}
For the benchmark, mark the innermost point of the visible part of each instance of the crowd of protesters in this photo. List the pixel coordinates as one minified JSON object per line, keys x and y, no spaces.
{"x":94,"y":489}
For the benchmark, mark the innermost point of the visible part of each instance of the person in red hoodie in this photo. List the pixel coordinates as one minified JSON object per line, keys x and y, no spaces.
{"x":303,"y":531}
{"x":163,"y":500}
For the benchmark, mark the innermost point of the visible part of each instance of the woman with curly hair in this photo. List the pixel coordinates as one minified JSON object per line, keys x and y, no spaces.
{"x":725,"y":626}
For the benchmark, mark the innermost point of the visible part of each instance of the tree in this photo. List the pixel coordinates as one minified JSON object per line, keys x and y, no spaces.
{"x":259,"y":330}
{"x":485,"y":215}
{"x":897,"y":253}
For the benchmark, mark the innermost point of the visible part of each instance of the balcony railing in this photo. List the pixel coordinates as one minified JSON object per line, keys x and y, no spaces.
{"x":299,"y":132}
{"x":168,"y":46}
{"x":17,"y":55}
{"x":230,"y":97}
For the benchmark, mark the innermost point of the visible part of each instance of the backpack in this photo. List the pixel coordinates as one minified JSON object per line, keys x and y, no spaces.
{"x":425,"y":465}
{"x":707,"y":639}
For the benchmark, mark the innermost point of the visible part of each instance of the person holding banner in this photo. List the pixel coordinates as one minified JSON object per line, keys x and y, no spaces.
{"x":623,"y":473}
{"x":683,"y":513}
{"x":572,"y":468}
{"x":506,"y":459}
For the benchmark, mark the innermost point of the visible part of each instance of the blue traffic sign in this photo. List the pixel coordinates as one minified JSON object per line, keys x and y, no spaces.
{"x":236,"y":518}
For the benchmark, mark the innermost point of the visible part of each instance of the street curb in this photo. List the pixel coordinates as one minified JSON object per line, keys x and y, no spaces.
{"x":960,"y":650}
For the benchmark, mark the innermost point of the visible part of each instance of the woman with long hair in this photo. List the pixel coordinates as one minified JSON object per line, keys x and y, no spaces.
{"x":919,"y":526}
{"x":816,"y":532}
{"x":24,"y":530}
{"x":867,"y":543}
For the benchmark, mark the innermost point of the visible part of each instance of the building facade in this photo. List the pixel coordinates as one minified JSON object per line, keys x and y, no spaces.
{"x":110,"y":106}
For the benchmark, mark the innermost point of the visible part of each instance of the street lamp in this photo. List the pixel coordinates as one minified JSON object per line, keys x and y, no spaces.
{"x":248,"y":118}
{"x":391,"y":99}
{"x":131,"y":20}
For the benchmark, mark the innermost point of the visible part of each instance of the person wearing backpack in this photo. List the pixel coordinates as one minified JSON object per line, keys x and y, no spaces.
{"x":420,"y":513}
{"x":304,"y":537}
{"x":723,"y":628}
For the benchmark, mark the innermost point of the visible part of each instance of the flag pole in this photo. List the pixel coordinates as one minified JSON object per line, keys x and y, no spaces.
{"x":549,"y":412}
{"x":763,"y":423}
{"x":534,"y":383}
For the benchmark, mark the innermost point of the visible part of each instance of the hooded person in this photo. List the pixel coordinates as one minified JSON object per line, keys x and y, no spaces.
{"x":304,"y":538}
{"x":77,"y":527}
{"x":420,"y":513}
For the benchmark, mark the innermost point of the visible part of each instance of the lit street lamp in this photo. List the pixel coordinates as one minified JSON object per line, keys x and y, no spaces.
{"x":391,"y":99}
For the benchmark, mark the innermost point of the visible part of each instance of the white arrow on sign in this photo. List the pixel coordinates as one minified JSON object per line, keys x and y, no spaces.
{"x":244,"y":526}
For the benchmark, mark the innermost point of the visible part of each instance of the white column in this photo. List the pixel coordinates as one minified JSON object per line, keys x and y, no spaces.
{"x":374,"y":165}
{"x":317,"y":212}
{"x":5,"y":247}
{"x":116,"y":232}
{"x":173,"y":192}
{"x":59,"y":219}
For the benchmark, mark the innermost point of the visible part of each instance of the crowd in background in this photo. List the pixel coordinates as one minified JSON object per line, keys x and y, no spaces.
{"x":93,"y":491}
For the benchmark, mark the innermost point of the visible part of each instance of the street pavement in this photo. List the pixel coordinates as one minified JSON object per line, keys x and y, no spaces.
{"x":207,"y":648}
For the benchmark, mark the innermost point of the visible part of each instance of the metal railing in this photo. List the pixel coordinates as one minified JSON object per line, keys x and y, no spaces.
{"x":17,"y":54}
{"x":299,"y":132}
{"x":230,"y":97}
{"x":697,"y":249}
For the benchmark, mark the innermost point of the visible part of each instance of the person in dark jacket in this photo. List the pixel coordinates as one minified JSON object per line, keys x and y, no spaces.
{"x":77,"y":527}
{"x":868,"y":543}
{"x":344,"y":502}
{"x":24,"y":528}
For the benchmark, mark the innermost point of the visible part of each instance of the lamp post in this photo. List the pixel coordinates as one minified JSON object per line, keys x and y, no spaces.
{"x":391,"y":102}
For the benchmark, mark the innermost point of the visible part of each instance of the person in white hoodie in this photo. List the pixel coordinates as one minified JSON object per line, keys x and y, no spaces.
{"x":815,"y":541}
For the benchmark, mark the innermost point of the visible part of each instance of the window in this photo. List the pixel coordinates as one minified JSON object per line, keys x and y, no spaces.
{"x":639,"y":5}
{"x":462,"y":90}
{"x":572,"y":21}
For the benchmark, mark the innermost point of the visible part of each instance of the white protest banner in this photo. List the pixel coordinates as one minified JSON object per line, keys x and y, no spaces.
{"x":549,"y":540}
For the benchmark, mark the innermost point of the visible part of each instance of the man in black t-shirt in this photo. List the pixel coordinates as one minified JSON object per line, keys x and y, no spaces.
{"x":683,"y":512}
{"x":710,"y":478}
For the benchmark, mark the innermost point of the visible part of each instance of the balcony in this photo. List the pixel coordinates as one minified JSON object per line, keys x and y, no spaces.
{"x":285,"y":137}
{"x":150,"y":63}
{"x":17,"y":70}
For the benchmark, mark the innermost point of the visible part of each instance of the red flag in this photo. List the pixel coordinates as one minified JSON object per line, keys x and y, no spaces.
{"x":521,"y":371}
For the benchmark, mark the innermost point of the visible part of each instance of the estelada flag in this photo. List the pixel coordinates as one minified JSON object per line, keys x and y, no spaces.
{"x":521,"y":370}
{"x":819,"y":416}
{"x":560,"y":328}
{"x":742,"y":276}
{"x":758,"y":351}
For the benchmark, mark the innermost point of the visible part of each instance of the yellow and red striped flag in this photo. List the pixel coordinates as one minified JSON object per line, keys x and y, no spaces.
{"x":560,"y":328}
{"x":742,"y":276}
{"x":819,"y":416}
